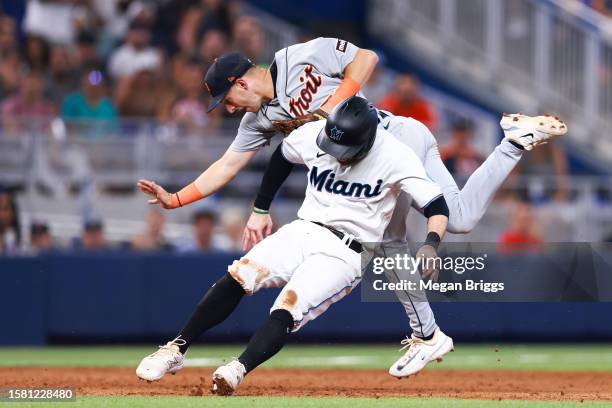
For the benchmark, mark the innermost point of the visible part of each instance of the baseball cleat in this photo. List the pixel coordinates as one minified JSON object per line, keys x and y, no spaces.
{"x":168,"y":359}
{"x":227,"y":378}
{"x":531,"y":131}
{"x":421,"y":352}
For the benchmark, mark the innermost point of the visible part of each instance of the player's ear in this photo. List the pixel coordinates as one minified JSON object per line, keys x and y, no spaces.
{"x":242,"y":83}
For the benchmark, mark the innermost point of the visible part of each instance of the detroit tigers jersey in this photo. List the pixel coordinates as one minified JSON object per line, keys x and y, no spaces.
{"x":306,"y":75}
{"x":358,"y":199}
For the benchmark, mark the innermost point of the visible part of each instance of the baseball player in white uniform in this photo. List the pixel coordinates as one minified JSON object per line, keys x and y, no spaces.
{"x":303,"y":83}
{"x":355,"y":170}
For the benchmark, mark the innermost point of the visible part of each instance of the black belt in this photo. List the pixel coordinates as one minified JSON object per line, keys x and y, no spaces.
{"x":354,"y":245}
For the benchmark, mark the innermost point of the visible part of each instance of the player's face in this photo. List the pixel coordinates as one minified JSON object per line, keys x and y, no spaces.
{"x":241,"y":97}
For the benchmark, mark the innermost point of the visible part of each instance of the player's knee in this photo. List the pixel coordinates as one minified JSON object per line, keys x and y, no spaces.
{"x":288,"y":300}
{"x":247,"y":273}
{"x":284,"y":317}
{"x":463,"y":225}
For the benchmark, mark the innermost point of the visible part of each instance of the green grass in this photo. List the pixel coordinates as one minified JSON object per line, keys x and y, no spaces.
{"x":291,"y":402}
{"x":515,"y":357}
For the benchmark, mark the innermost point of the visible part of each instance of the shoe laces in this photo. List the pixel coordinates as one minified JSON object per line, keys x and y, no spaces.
{"x":412,"y":344}
{"x":168,"y":349}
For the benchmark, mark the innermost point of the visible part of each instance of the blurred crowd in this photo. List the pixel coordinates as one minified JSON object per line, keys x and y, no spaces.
{"x":210,"y":232}
{"x":108,"y":59}
{"x":105,"y":60}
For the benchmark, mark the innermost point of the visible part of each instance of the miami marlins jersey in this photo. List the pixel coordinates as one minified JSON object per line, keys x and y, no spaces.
{"x":306,"y":75}
{"x":358,"y":199}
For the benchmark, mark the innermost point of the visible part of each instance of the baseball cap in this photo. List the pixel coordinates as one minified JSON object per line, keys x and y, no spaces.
{"x":223,"y":73}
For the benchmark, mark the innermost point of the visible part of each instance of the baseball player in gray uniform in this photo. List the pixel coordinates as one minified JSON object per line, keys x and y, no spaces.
{"x":304,"y":82}
{"x":355,"y":169}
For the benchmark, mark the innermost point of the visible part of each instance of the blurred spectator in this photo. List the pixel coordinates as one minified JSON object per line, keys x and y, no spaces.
{"x":168,"y":19}
{"x":9,"y":72}
{"x":92,"y":238}
{"x":91,"y":101}
{"x":54,"y":20}
{"x":37,"y":53}
{"x":8,"y":35}
{"x":377,"y":86}
{"x":603,"y":6}
{"x":189,"y":111}
{"x":85,"y":50}
{"x":523,"y":234}
{"x":405,"y":100}
{"x":204,"y":239}
{"x":214,"y":44}
{"x":40,"y":238}
{"x":10,"y":230}
{"x":29,"y":102}
{"x":217,"y":15}
{"x":152,"y":238}
{"x":233,"y":222}
{"x":540,"y":164}
{"x":145,"y":94}
{"x":186,"y":33}
{"x":136,"y":54}
{"x":249,"y":38}
{"x":459,"y":156}
{"x":62,"y":78}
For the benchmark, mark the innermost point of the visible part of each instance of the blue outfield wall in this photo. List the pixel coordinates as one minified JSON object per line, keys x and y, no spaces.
{"x":117,"y":296}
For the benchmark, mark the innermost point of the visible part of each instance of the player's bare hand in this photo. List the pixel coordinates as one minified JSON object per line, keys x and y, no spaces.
{"x":429,"y":257}
{"x":161,"y":196}
{"x":257,"y":228}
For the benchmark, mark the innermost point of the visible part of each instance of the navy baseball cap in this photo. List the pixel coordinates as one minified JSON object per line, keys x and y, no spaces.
{"x":223,"y":73}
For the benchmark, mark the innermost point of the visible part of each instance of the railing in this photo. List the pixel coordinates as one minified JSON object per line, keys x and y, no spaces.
{"x":72,"y":170}
{"x":537,"y":54}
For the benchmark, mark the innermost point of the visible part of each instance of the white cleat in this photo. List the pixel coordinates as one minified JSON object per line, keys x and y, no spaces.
{"x":227,"y":378}
{"x":421,"y":352}
{"x":168,"y":359}
{"x":531,"y":131}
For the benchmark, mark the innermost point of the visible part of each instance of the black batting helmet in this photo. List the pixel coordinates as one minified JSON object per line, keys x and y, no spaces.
{"x":350,"y":130}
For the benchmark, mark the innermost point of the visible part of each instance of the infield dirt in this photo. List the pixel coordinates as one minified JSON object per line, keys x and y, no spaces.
{"x":484,"y":384}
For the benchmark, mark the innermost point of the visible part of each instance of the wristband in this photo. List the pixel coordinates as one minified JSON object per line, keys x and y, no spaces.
{"x":433,"y":239}
{"x":186,"y":196}
{"x":258,"y":211}
{"x":349,"y":87}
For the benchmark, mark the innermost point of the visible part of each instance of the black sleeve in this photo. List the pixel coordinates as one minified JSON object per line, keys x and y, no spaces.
{"x":276,"y":173}
{"x":437,"y":207}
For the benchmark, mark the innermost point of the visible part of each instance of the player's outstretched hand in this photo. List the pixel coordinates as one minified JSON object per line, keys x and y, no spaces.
{"x":257,"y":228}
{"x":428,"y":254}
{"x":161,"y":196}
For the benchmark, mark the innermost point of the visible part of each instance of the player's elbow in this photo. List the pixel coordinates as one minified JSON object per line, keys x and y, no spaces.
{"x":370,"y":56}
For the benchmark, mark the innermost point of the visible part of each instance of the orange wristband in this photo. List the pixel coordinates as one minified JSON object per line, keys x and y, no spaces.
{"x":349,"y":87}
{"x":187,"y":195}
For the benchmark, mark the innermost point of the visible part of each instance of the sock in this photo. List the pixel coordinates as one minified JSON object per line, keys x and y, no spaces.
{"x":268,"y":340}
{"x":216,"y":305}
{"x":427,"y":337}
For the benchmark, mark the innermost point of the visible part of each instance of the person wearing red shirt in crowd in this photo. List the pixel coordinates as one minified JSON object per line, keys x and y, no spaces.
{"x":460,"y":156}
{"x":405,"y":100}
{"x":523,"y":235}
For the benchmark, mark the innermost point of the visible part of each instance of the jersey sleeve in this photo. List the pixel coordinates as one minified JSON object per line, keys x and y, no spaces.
{"x":253,"y":133}
{"x":414,"y":179}
{"x":331,"y":55}
{"x":292,"y":147}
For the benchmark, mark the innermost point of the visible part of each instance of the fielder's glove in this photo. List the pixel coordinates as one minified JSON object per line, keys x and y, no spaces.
{"x":289,"y":125}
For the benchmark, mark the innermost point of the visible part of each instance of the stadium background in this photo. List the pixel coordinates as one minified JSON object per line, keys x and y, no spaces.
{"x":107,"y":95}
